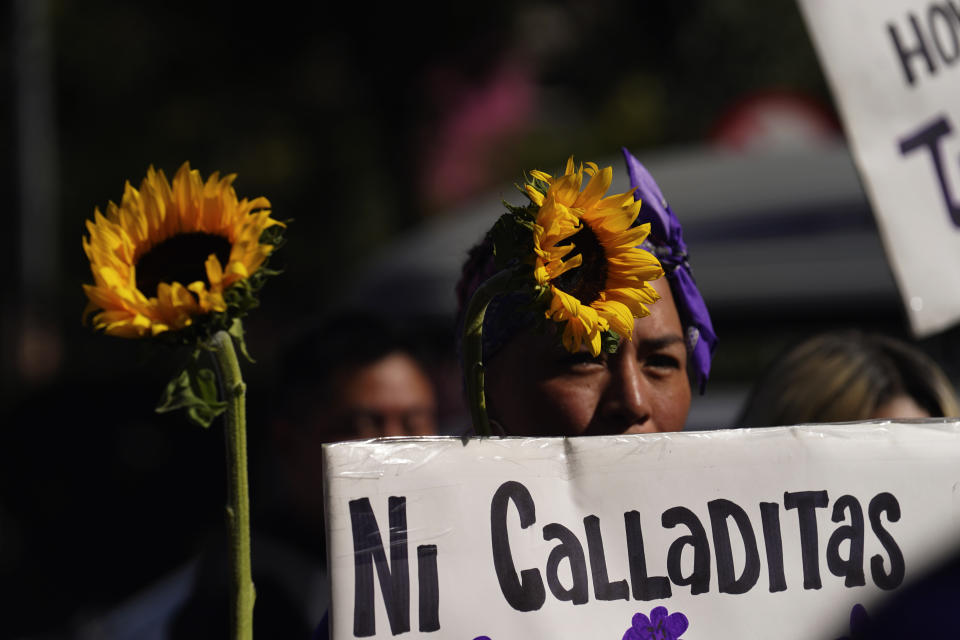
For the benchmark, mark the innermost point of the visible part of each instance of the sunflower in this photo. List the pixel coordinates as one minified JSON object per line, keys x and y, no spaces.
{"x":587,"y":255}
{"x":166,"y":256}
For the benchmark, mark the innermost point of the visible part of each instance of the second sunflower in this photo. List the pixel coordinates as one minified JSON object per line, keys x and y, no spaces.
{"x":588,"y":262}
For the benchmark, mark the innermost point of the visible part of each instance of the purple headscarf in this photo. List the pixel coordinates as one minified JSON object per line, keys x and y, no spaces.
{"x":666,"y":242}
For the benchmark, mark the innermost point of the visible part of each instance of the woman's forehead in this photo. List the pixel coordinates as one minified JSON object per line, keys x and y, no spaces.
{"x":664,"y":320}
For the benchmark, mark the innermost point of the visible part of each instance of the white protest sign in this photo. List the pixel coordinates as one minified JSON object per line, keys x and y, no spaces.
{"x":764,"y":533}
{"x":894,"y":68}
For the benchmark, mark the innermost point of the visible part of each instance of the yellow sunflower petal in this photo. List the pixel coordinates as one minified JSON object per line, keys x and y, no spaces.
{"x":103,"y":298}
{"x":631,"y":237}
{"x":566,"y":189}
{"x":235,"y":271}
{"x":635,"y":299}
{"x":595,"y":342}
{"x":214,"y":272}
{"x":578,"y":331}
{"x":557,"y":268}
{"x":216,"y":302}
{"x":637,"y":270}
{"x":614,"y":219}
{"x":131,"y":327}
{"x":535,"y":196}
{"x":595,"y":189}
{"x":573,"y":336}
{"x":545,"y":271}
{"x":563,"y":306}
{"x":618,"y":316}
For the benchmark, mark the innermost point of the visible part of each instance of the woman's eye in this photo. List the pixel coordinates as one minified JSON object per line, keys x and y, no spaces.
{"x":662,"y":361}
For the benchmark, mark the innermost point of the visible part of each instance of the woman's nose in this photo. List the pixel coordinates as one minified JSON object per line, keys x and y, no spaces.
{"x":626,"y":403}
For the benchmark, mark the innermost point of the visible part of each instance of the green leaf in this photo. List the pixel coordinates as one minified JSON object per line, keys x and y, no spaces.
{"x":512,"y":240}
{"x":193,"y":389}
{"x":236,"y":332}
{"x":610,"y":341}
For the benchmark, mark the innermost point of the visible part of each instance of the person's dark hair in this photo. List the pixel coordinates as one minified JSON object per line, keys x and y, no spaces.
{"x":843,"y":376}
{"x":506,"y":315}
{"x":339,"y":343}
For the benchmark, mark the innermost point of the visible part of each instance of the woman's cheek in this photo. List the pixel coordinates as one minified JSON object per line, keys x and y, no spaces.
{"x":573,"y":403}
{"x":673,"y":404}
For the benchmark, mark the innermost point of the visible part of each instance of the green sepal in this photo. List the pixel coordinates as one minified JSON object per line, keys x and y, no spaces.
{"x":194,"y":389}
{"x":526,"y":212}
{"x":236,"y":332}
{"x":512,"y":236}
{"x":274,"y":235}
{"x":609,"y":341}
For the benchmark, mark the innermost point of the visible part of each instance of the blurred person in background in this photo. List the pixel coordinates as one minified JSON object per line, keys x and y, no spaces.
{"x":535,"y":387}
{"x":849,"y":375}
{"x":355,"y":376}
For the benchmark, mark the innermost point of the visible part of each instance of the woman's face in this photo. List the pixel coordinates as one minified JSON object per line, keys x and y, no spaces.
{"x":536,"y":388}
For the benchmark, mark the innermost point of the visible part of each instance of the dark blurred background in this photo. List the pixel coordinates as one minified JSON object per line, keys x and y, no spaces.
{"x":389,"y":135}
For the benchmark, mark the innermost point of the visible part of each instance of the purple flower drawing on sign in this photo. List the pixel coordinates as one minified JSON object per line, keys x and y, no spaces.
{"x":859,"y":622}
{"x":659,"y":626}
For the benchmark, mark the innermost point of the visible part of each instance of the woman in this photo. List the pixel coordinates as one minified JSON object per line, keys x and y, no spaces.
{"x":536,"y":388}
{"x":849,"y":375}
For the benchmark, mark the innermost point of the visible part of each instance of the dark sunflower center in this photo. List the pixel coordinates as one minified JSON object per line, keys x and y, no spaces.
{"x":589,"y":279}
{"x":181,"y":259}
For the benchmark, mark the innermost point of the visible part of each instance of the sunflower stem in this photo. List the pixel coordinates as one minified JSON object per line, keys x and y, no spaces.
{"x":473,"y":369}
{"x":233,"y":391}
